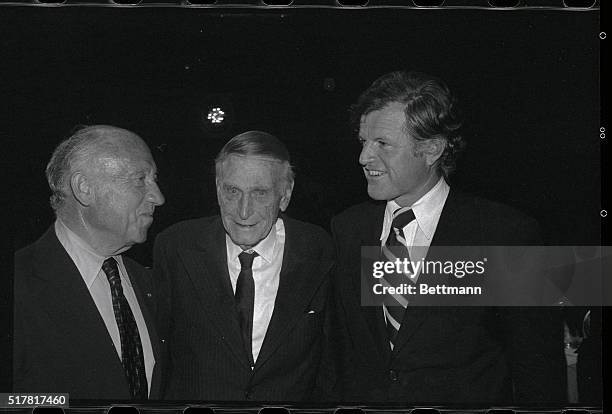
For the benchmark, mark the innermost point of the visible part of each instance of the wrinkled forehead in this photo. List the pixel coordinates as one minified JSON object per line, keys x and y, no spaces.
{"x":260,"y":164}
{"x":121,"y":152}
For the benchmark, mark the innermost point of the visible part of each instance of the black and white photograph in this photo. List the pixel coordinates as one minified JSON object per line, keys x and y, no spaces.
{"x":193,"y":185}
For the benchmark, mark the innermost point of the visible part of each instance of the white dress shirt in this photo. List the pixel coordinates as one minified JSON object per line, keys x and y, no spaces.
{"x":266,"y":274}
{"x":89,"y":264}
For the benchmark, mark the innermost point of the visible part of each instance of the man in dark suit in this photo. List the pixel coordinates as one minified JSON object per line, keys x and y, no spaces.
{"x":398,"y":353}
{"x":84,"y":314}
{"x":247,"y":290}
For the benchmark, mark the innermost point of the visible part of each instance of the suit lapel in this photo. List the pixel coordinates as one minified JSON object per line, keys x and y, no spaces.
{"x":373,"y":315}
{"x":300,"y":278}
{"x":457,"y":222}
{"x":413,"y":318}
{"x":207,"y":268}
{"x":62,"y":293}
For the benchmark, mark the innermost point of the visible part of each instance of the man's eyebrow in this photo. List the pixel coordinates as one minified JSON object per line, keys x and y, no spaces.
{"x":376,"y":138}
{"x":230,"y":185}
{"x":135,"y":172}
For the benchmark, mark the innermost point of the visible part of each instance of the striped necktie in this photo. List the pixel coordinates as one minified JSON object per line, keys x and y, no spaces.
{"x":396,"y":248}
{"x":132,"y":357}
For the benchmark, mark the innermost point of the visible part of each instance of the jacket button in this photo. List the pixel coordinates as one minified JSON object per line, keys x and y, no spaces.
{"x":393,"y":376}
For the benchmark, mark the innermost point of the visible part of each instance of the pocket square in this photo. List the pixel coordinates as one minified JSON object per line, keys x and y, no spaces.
{"x":311,"y":311}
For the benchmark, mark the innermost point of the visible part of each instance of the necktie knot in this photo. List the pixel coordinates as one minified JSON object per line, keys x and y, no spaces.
{"x":111,"y":270}
{"x":401,"y":219}
{"x":246,"y":260}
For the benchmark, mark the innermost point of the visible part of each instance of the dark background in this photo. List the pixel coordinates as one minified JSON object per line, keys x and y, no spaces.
{"x":527,"y":81}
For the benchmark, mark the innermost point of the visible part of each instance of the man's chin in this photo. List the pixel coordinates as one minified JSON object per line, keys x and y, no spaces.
{"x":244,"y":242}
{"x":376,"y":194}
{"x":137,"y":240}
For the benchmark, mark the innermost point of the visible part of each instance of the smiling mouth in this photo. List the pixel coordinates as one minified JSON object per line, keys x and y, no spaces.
{"x":373,"y":173}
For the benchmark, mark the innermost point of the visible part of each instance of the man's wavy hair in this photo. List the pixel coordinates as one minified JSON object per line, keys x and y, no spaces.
{"x":430,"y":110}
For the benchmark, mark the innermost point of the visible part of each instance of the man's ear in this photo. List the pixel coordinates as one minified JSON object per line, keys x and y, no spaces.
{"x":82,"y":188}
{"x":286,"y":196}
{"x":433,"y":149}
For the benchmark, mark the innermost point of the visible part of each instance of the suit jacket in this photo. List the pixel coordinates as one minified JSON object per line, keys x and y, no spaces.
{"x":207,"y":357}
{"x":61,"y":343}
{"x":444,"y":355}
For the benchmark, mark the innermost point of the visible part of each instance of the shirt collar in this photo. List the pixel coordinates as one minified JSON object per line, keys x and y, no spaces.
{"x":87,"y":261}
{"x":426,"y":210}
{"x":264,"y":248}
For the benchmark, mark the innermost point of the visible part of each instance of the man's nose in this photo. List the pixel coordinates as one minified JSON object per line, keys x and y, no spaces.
{"x":155,"y":195}
{"x":367,"y":153}
{"x":245,"y":207}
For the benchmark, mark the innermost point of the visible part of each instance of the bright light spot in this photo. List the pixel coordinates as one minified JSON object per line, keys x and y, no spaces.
{"x":216,"y":115}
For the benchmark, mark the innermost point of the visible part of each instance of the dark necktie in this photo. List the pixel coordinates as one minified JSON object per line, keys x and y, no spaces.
{"x":245,"y":301}
{"x":132,"y":357}
{"x":396,"y":304}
